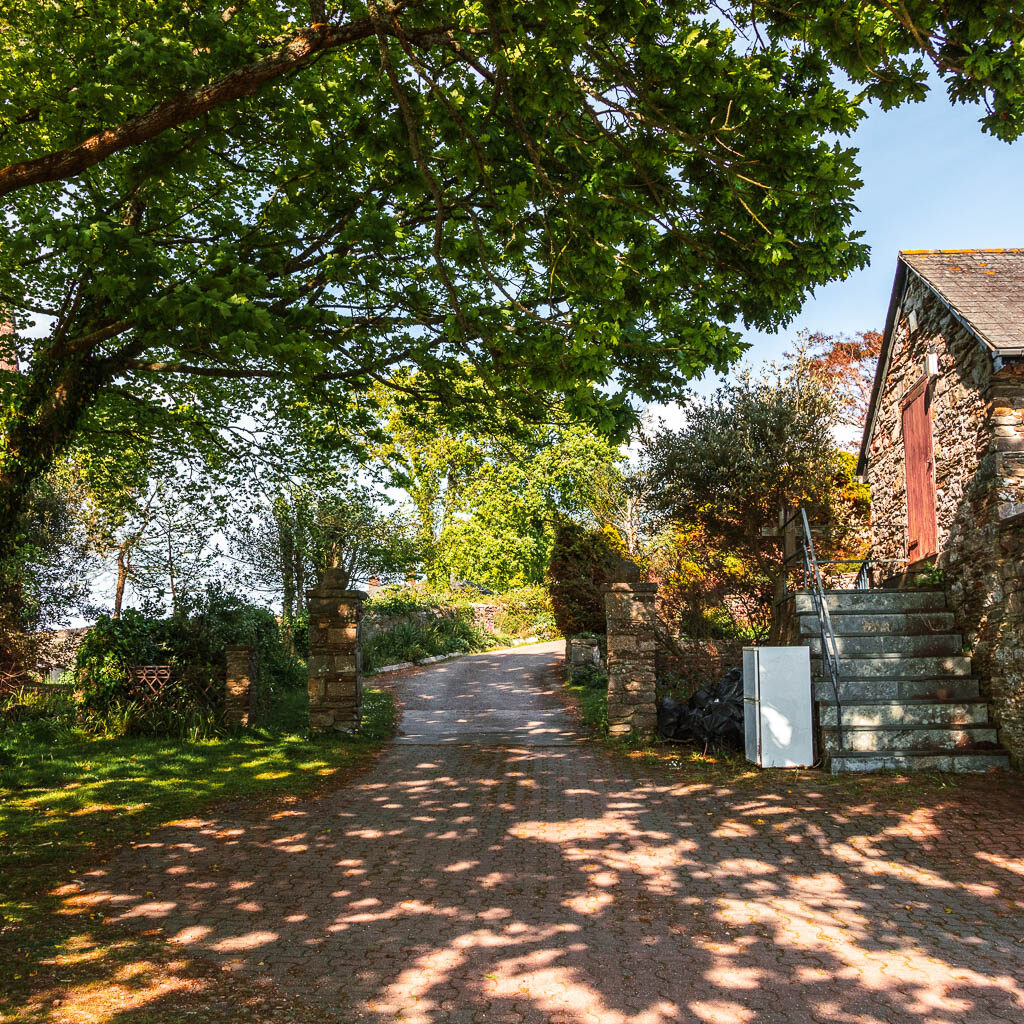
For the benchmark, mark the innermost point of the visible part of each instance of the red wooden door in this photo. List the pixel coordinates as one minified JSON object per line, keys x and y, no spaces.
{"x":922,"y":530}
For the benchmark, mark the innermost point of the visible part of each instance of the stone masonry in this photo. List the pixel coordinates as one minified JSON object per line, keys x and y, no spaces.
{"x":239,"y":693}
{"x":335,"y":660}
{"x":631,"y":613}
{"x":582,"y":654}
{"x":977,"y":413}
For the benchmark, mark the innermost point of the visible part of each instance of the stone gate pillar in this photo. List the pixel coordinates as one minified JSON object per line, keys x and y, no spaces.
{"x":335,"y":660}
{"x":239,"y":694}
{"x":630,"y":611}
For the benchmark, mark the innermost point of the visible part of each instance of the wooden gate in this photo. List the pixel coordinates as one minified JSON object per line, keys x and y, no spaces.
{"x":922,"y":529}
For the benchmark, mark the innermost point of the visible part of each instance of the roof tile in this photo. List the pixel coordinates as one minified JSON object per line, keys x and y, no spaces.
{"x":985,"y":286}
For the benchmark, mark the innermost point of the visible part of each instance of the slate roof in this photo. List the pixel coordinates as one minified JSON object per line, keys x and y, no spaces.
{"x":984,"y":286}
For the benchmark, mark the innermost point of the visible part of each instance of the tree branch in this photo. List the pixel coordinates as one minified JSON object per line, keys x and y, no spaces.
{"x":300,"y":50}
{"x":232,"y":373}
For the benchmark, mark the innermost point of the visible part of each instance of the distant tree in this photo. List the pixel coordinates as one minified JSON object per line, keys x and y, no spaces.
{"x":754,"y":446}
{"x":284,"y":548}
{"x":846,"y":364}
{"x":175,"y":553}
{"x":420,"y":451}
{"x":511,"y":504}
{"x":619,"y":504}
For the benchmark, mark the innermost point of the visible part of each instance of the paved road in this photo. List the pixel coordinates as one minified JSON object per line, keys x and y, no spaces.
{"x":499,"y":698}
{"x":510,"y":881}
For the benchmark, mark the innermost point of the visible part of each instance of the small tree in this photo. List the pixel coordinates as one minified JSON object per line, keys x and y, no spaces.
{"x":583,"y":564}
{"x":284,"y":548}
{"x":757,"y":444}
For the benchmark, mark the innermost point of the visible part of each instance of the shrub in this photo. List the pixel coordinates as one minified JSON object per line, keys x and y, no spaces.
{"x":583,"y":564}
{"x":192,"y":641}
{"x":108,"y":650}
{"x":413,"y":640}
{"x":197,"y":634}
{"x":526,"y":611}
{"x":590,"y":676}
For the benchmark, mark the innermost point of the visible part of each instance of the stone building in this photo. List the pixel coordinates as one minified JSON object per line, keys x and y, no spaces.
{"x":943,"y":453}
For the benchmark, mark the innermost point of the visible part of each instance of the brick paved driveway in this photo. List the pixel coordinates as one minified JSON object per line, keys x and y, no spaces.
{"x":487,"y":871}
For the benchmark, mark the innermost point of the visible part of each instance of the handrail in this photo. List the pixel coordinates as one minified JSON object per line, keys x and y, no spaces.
{"x":829,"y":647}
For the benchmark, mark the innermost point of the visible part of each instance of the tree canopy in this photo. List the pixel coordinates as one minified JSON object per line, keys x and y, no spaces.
{"x":754,"y":446}
{"x":575,"y":200}
{"x":225,"y":224}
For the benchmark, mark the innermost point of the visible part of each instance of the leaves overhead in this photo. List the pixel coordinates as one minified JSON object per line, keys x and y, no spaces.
{"x":975,"y":46}
{"x":568,"y":202}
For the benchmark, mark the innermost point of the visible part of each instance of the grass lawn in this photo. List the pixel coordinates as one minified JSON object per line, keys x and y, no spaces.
{"x":67,"y":799}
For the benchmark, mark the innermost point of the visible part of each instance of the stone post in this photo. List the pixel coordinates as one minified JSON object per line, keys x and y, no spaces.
{"x":335,"y":660}
{"x":630,"y":611}
{"x":239,"y":694}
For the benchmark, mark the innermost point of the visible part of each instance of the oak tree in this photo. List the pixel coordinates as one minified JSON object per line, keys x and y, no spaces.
{"x":247,"y":215}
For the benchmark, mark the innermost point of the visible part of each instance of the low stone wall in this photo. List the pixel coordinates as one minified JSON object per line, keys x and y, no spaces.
{"x":485,"y":616}
{"x":700,"y":660}
{"x":582,"y":654}
{"x":999,"y":641}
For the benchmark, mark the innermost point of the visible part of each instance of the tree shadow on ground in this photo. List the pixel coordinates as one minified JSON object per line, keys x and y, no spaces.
{"x":552,"y":884}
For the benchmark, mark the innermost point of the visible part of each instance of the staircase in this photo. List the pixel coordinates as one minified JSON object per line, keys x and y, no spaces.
{"x":908,"y":699}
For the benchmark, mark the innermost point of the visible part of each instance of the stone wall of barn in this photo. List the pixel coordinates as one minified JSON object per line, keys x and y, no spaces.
{"x":999,"y":640}
{"x":959,"y":420}
{"x":978,"y":433}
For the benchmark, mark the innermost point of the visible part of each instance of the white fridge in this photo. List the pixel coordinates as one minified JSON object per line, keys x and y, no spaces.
{"x":777,"y":706}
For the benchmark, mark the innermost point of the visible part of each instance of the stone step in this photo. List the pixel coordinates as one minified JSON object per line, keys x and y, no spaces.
{"x":861,"y":738}
{"x":875,"y":646}
{"x":881,"y":623}
{"x":910,"y":712}
{"x":896,"y":666}
{"x":874,"y":601}
{"x":959,"y":688}
{"x":966,"y":760}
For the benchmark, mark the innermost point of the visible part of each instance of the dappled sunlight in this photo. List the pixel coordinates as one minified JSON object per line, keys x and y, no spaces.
{"x":571,"y":887}
{"x":557,"y":883}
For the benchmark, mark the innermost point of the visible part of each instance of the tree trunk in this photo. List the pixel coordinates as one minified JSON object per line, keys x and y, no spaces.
{"x":122,"y":579}
{"x":300,"y":577}
{"x":170,"y":566}
{"x":286,"y":544}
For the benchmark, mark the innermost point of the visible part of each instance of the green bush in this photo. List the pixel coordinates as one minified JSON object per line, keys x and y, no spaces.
{"x":590,"y":676}
{"x":526,"y":611}
{"x":583,"y":564}
{"x":108,"y":650}
{"x":193,"y":642}
{"x":397,"y":601}
{"x":454,"y":633}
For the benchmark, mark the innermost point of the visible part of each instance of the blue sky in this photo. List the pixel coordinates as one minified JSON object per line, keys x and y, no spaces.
{"x":932,"y":180}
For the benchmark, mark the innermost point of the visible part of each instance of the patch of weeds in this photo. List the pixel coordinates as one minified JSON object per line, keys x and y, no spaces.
{"x":593,"y":698}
